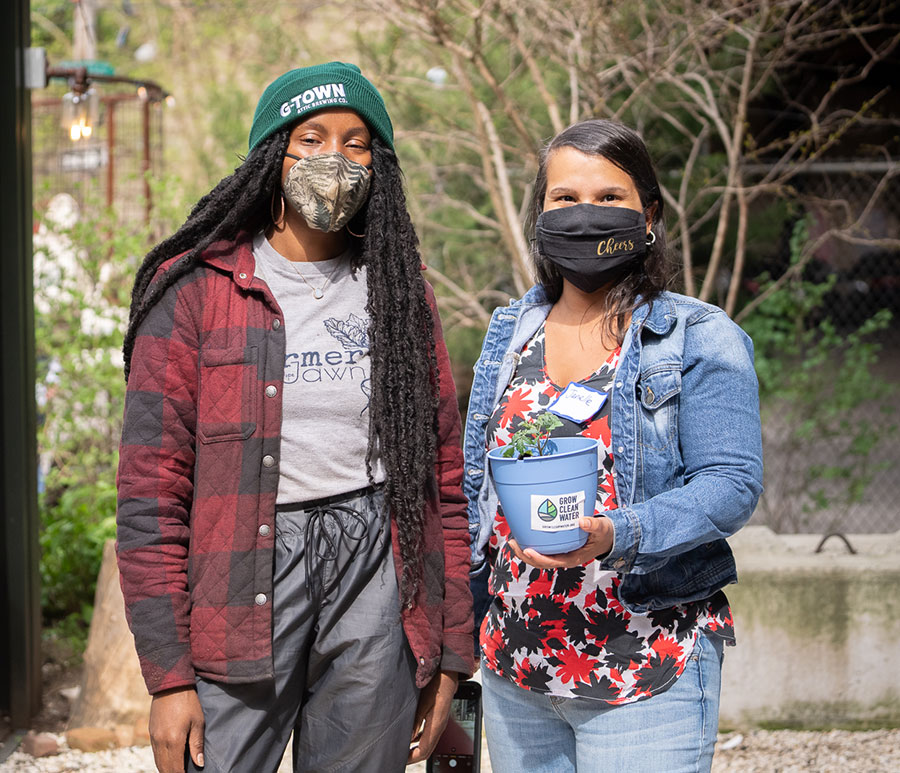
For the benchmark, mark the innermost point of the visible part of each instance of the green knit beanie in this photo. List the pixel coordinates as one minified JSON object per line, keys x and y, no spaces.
{"x":300,"y":92}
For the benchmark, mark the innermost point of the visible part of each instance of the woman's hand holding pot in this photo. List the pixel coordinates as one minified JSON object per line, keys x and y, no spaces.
{"x":599,"y":543}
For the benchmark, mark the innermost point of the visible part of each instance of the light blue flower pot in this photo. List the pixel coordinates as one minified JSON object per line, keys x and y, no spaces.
{"x":544,"y":496}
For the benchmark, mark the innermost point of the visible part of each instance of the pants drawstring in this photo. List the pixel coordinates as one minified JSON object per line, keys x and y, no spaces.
{"x":323,"y":544}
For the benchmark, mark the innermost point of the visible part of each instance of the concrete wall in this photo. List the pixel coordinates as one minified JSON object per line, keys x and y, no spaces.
{"x":818,"y":634}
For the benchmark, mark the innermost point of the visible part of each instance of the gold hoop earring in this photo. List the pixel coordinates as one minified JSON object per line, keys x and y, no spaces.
{"x":280,"y":217}
{"x":358,"y":236}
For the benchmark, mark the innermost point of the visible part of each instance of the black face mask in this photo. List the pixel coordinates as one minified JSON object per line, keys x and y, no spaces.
{"x":591,"y":245}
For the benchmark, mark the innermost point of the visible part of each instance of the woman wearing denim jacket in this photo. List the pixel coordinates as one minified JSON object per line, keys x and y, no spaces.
{"x":608,"y":658}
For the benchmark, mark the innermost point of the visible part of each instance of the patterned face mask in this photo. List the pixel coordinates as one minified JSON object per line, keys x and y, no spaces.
{"x":327,"y":189}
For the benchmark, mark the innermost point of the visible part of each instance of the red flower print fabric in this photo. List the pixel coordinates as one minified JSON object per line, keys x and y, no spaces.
{"x":566,"y":632}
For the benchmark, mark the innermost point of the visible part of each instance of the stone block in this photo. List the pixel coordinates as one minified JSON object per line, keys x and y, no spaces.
{"x":91,"y":739}
{"x":816,"y":634}
{"x":40,"y":744}
{"x":141,"y":735}
{"x":124,"y":735}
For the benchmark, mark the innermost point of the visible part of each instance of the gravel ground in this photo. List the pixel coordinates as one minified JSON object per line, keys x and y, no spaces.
{"x":788,"y":751}
{"x":757,"y":751}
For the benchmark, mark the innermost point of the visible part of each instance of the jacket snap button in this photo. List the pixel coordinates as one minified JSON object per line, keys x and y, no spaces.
{"x":242,"y":275}
{"x":276,"y":324}
{"x":268,"y":460}
{"x":621,"y":449}
{"x":260,"y":599}
{"x":422,"y":661}
{"x":271,"y":391}
{"x":264,"y":530}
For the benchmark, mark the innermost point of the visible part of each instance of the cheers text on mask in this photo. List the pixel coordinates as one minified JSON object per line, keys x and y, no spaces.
{"x":590,"y":244}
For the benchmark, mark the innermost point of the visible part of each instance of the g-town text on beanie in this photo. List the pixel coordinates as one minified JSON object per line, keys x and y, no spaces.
{"x":307,"y":89}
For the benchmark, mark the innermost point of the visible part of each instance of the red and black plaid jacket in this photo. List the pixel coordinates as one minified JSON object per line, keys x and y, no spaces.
{"x":198,"y":470}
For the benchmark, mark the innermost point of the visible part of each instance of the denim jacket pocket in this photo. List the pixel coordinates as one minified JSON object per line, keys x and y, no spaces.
{"x":226,"y":406}
{"x":658,"y":393}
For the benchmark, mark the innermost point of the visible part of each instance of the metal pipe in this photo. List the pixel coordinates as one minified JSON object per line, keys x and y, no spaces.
{"x":82,"y":78}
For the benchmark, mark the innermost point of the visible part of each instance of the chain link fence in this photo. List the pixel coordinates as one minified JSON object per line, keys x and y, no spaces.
{"x":845,"y":481}
{"x":108,"y":168}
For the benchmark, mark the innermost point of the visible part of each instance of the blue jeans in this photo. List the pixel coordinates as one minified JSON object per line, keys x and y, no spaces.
{"x":673,"y":732}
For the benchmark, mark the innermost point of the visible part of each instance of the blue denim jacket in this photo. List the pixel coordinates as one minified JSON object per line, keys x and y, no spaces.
{"x":686,"y":439}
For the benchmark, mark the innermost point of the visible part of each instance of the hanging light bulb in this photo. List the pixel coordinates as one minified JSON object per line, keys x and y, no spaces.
{"x":80,"y":110}
{"x":70,"y":115}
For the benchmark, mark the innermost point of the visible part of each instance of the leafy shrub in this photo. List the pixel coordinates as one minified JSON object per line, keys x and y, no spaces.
{"x":824,"y":410}
{"x":74,"y":530}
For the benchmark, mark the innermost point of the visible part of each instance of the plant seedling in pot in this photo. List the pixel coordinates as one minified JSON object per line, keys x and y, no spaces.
{"x":532,"y":438}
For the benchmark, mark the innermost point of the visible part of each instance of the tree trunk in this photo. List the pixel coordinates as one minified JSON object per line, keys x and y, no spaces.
{"x":112,"y":689}
{"x":85,"y":36}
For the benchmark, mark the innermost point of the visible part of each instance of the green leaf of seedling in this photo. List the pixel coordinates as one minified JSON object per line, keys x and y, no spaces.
{"x":532,"y":435}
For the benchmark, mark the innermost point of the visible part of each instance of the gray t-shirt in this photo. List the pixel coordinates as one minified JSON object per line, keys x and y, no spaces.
{"x":325,"y":416}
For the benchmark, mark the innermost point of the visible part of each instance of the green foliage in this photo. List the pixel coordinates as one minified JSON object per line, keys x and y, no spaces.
{"x":64,"y":640}
{"x":824,"y":409}
{"x":533,"y":436}
{"x":74,"y":530}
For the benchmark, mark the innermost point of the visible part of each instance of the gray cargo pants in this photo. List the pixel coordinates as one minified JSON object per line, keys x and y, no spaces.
{"x":344,"y":673}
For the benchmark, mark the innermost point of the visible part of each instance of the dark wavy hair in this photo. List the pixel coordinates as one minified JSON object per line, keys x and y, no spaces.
{"x":404,"y":377}
{"x":623,"y":147}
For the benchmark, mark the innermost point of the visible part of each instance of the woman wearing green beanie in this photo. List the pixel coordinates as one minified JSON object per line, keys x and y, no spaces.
{"x":292,"y":537}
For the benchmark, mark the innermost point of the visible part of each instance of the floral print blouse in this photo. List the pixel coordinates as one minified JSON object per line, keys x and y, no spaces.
{"x":565,"y":632}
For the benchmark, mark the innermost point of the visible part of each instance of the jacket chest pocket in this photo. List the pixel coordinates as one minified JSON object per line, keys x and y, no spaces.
{"x":658,"y":394}
{"x":227,"y":405}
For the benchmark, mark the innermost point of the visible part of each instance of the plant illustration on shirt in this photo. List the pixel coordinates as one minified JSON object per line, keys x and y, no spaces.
{"x":353,"y":335}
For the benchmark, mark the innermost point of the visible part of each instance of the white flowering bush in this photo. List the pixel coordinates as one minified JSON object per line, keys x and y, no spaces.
{"x":83,"y":274}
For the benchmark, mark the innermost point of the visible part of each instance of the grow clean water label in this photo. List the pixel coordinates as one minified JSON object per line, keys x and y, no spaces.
{"x":555,"y":512}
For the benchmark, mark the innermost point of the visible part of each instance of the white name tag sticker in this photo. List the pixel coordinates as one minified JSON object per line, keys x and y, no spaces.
{"x":578,"y":403}
{"x":556,"y":511}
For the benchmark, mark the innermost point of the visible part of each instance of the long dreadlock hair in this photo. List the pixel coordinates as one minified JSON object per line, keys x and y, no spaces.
{"x":404,"y":377}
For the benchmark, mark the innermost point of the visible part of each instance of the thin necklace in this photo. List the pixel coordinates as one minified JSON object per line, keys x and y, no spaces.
{"x":318,"y":292}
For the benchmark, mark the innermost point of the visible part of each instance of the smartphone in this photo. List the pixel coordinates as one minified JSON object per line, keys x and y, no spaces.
{"x":459,"y":748}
